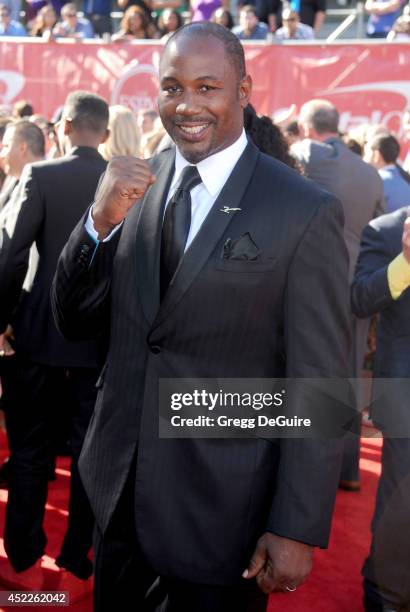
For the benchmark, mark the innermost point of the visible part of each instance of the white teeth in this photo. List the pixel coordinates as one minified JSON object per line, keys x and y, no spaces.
{"x":195,"y":129}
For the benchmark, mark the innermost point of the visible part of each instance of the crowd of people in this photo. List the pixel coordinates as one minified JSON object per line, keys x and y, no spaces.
{"x":272,"y":21}
{"x":230,"y":323}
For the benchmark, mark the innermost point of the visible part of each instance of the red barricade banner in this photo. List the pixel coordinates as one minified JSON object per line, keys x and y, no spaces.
{"x":367,"y":82}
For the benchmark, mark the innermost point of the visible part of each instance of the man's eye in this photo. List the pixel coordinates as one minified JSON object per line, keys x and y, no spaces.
{"x":172,"y":89}
{"x":206,"y":88}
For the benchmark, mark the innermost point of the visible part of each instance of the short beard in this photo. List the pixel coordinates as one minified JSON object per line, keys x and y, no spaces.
{"x":194,"y":157}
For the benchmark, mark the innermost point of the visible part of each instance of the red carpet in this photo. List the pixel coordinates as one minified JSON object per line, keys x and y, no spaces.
{"x":334,"y":586}
{"x":46,"y":576}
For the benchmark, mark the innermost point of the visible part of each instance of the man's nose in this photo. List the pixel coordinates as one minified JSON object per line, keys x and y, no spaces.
{"x":189,"y":105}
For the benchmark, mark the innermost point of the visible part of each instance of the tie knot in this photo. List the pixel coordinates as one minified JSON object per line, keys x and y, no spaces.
{"x":190,"y":178}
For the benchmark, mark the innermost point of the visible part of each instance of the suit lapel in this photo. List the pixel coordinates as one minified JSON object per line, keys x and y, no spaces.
{"x":211,"y":231}
{"x":148,"y":235}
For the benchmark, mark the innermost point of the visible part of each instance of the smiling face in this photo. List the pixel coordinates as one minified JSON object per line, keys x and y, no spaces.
{"x":202,"y":97}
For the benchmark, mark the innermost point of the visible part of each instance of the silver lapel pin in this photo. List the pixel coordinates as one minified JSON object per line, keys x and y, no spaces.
{"x":228,"y":209}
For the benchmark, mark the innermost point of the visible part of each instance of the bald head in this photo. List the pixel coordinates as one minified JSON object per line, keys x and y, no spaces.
{"x":319,"y":119}
{"x":202,"y":92}
{"x":233,"y":48}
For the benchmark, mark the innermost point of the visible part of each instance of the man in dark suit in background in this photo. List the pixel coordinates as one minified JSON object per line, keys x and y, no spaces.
{"x":52,"y":373}
{"x":381,"y":285}
{"x":23,"y":143}
{"x":218,"y":286}
{"x":357,"y":185}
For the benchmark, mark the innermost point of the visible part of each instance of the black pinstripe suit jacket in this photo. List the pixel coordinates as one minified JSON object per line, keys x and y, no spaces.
{"x":200,"y":505}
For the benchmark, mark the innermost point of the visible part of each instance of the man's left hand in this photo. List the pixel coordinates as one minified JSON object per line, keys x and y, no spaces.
{"x":279,"y":564}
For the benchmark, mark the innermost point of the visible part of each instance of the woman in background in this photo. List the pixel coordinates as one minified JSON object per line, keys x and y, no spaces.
{"x":146,"y":5}
{"x":124,"y":136}
{"x":44,"y":23}
{"x":135,"y":25}
{"x":169,"y":22}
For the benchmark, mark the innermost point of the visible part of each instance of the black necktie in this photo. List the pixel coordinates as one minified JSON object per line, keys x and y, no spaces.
{"x":176,"y":225}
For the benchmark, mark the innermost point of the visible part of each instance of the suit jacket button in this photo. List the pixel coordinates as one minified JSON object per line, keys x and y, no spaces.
{"x":154,"y":348}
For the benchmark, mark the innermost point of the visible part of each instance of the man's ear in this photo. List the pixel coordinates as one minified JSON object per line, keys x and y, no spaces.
{"x":105,"y":136}
{"x":245,"y":90}
{"x":23,"y":147}
{"x":68,"y":127}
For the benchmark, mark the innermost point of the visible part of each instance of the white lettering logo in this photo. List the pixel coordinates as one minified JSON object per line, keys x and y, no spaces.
{"x":14,"y":83}
{"x":137,"y":87}
{"x":399,"y":87}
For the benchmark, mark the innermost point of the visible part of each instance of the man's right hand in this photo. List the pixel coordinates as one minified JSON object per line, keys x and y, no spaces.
{"x":406,"y":240}
{"x":125,"y":181}
{"x":5,"y":348}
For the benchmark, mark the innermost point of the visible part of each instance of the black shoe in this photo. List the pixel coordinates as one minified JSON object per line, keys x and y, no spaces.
{"x":22,"y":565}
{"x":82,"y":568}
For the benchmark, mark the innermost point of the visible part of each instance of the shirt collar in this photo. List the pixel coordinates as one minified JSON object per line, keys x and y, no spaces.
{"x":215,"y":169}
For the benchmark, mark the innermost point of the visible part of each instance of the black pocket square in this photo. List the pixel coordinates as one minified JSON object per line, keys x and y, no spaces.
{"x":242,"y":248}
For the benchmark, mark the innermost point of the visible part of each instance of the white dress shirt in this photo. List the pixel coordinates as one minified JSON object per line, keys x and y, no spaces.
{"x":214,"y":172}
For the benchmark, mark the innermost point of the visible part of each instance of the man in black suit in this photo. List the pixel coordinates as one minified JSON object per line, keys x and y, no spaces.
{"x":220,"y":285}
{"x":23,"y":143}
{"x":381,"y":285}
{"x":53,"y":374}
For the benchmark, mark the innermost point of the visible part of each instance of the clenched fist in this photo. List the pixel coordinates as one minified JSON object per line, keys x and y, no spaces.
{"x":125,"y":181}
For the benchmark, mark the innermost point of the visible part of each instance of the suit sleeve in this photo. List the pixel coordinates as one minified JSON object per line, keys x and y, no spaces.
{"x":15,"y":246}
{"x":317,"y":340}
{"x":370,"y":287}
{"x":80,"y":294}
